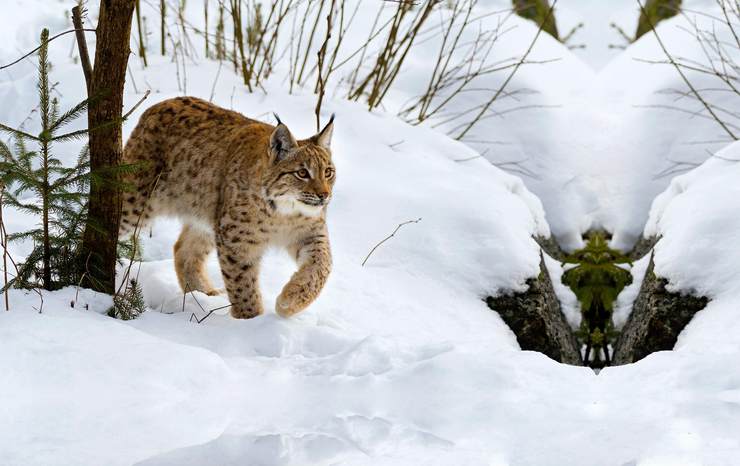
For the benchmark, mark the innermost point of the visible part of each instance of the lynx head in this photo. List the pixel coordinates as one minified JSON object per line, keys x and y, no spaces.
{"x":301,"y":173}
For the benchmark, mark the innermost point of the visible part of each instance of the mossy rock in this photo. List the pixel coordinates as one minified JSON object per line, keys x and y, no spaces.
{"x":658,"y":317}
{"x":537,"y":321}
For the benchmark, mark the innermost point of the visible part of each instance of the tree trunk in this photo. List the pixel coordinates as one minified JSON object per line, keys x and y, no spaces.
{"x":106,"y":146}
{"x":46,"y":259}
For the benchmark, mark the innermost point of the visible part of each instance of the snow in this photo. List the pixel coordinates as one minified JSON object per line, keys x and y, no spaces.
{"x":587,"y":132}
{"x":569,"y":304}
{"x":599,"y":143}
{"x":709,"y":193}
{"x":400,"y":361}
{"x":696,"y":252}
{"x":625,"y":300}
{"x":73,"y":379}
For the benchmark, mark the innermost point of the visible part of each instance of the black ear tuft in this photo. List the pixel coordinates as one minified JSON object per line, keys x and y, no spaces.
{"x":277,"y":118}
{"x":324,"y":137}
{"x":282,"y":143}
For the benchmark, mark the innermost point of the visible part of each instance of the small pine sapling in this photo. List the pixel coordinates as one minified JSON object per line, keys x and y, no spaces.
{"x":36,"y":182}
{"x":130,"y":304}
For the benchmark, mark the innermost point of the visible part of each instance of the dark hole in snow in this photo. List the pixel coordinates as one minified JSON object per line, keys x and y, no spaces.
{"x":657,"y":318}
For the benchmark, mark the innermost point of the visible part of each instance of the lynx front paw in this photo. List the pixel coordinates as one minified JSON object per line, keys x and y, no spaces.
{"x":289,"y":302}
{"x":240,"y":312}
{"x":216,"y":292}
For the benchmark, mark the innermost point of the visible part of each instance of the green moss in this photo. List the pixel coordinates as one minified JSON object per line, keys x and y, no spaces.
{"x":597,"y":279}
{"x":539,"y":12}
{"x":654,"y":12}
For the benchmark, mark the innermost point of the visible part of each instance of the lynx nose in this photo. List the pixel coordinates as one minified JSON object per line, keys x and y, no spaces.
{"x":322,"y":195}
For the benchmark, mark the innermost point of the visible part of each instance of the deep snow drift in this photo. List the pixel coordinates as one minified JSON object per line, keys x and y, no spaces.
{"x":399,"y":362}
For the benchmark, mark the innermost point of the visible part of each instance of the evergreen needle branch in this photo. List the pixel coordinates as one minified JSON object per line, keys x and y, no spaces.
{"x":389,"y":237}
{"x":10,"y":130}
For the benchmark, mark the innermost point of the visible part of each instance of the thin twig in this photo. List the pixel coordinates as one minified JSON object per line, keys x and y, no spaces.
{"x":213,"y":88}
{"x":683,"y":75}
{"x":389,"y":237}
{"x":133,"y":109}
{"x":501,"y":89}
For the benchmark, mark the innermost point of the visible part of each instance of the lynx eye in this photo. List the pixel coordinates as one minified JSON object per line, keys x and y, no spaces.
{"x":329,"y":172}
{"x":302,"y":174}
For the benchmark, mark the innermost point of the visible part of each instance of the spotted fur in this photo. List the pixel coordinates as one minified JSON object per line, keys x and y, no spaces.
{"x":239,"y":185}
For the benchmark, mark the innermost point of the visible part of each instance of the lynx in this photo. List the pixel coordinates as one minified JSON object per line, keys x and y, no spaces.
{"x":239,"y":186}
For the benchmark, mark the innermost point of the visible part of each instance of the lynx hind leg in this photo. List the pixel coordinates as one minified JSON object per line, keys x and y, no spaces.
{"x":137,"y":206}
{"x":140,"y":182}
{"x":136,"y":213}
{"x":191,"y":253}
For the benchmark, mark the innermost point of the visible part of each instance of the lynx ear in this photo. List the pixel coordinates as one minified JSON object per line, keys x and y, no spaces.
{"x":323,"y":139}
{"x":281,"y":142}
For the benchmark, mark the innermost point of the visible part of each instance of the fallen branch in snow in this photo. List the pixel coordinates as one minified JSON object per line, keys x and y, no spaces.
{"x":468,"y":159}
{"x":395,"y":144}
{"x":389,"y":237}
{"x":208,"y":313}
{"x":192,"y":315}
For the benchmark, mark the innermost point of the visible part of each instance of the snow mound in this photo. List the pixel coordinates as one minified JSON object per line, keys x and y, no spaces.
{"x":399,"y":361}
{"x":80,"y":387}
{"x":473,"y":239}
{"x":694,"y":218}
{"x":341,"y":382}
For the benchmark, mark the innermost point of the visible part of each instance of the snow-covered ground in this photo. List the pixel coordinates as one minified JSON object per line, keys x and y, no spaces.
{"x":399,"y":362}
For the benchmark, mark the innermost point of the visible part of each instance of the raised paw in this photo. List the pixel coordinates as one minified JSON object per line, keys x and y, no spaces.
{"x":216,"y":292}
{"x":290,"y":302}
